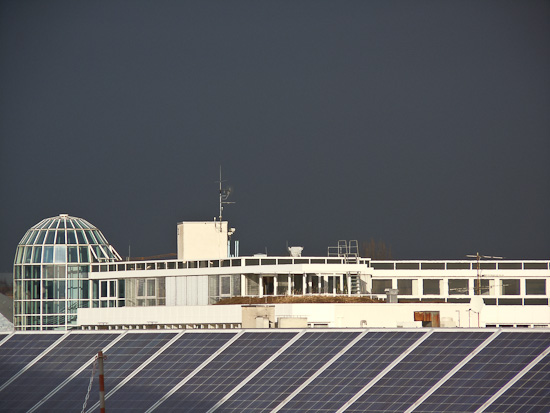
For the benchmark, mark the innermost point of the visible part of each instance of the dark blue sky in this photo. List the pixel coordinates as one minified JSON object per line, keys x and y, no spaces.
{"x":424,"y":124}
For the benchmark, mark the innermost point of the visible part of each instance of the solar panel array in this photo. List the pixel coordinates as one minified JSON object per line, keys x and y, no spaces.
{"x":422,"y":370}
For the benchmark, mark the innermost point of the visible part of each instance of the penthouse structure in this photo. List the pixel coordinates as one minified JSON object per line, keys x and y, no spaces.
{"x":67,"y":275}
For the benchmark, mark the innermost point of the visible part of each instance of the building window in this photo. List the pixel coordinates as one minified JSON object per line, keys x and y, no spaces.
{"x":458,"y":287}
{"x":535,"y":287}
{"x":225,"y":286}
{"x":431,"y":287}
{"x":379,"y":286}
{"x":483,"y":288}
{"x":510,"y":287}
{"x":404,"y":287}
{"x":151,"y":292}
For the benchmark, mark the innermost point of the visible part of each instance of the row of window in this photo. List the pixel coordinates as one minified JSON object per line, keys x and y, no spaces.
{"x":62,"y":254}
{"x":235,"y":262}
{"x":62,"y":236}
{"x":68,"y":289}
{"x":238,"y":262}
{"x":505,"y":265}
{"x":63,"y":221}
{"x":30,"y":272}
{"x":461,"y":286}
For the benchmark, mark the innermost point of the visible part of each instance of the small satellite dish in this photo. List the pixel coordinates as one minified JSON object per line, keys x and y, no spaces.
{"x":477,"y":304}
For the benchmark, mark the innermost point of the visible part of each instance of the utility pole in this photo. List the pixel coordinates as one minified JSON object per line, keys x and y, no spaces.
{"x":101,"y":383}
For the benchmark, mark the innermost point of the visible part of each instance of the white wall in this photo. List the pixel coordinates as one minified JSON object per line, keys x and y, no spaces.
{"x":202,"y":240}
{"x":190,"y":290}
{"x":334,"y":315}
{"x":203,"y":314}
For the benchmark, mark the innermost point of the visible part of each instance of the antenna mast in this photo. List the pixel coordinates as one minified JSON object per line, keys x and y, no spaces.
{"x":224,"y":194}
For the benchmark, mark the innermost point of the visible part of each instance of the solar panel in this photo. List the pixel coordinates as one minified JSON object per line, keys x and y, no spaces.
{"x":52,"y":369}
{"x":19,"y":350}
{"x":226,"y":371}
{"x":352,"y":371}
{"x":531,"y":393}
{"x":165,"y":371}
{"x":419,"y":371}
{"x":298,"y":370}
{"x":288,"y":371}
{"x":121,"y":360}
{"x":487,"y":372}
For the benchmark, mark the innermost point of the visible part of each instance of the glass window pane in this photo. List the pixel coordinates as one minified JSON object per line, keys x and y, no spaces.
{"x":95,"y":288}
{"x":510,"y":287}
{"x":72,"y":271}
{"x":121,"y":288}
{"x":31,"y":290}
{"x":48,"y":254}
{"x":98,"y":237}
{"x":19,"y":255}
{"x":53,"y":290}
{"x":47,"y":271}
{"x":60,"y":253}
{"x":91,"y":238}
{"x":60,"y":271}
{"x":379,"y":286}
{"x":25,"y":238}
{"x":40,"y":238}
{"x":60,"y":239}
{"x":83,"y":252}
{"x":404,"y":287}
{"x":71,"y":237}
{"x":32,"y":237}
{"x":431,"y":287}
{"x":141,"y":288}
{"x":70,"y":224}
{"x":104,"y":288}
{"x":483,"y":288}
{"x":83,"y":272}
{"x":61,"y":223}
{"x":112,"y":288}
{"x":50,"y":237}
{"x":37,"y":254}
{"x":28,"y":255}
{"x":80,"y":236}
{"x":98,"y":252}
{"x":535,"y":287}
{"x":458,"y":287}
{"x":150,"y":288}
{"x":72,"y":254}
{"x":225,"y":285}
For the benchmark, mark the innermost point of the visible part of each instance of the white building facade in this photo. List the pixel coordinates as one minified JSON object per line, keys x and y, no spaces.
{"x":116,"y":292}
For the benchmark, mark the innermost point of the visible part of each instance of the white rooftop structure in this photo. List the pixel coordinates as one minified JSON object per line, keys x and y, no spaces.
{"x":64,"y":263}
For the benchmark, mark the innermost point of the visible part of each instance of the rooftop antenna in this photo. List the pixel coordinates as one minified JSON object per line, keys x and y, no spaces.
{"x":479,"y":257}
{"x":224,"y":194}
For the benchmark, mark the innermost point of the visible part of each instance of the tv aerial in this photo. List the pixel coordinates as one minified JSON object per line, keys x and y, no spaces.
{"x":478,"y":256}
{"x":223,"y":195}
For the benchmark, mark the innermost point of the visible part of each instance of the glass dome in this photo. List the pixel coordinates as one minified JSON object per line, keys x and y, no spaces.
{"x":51,"y":269}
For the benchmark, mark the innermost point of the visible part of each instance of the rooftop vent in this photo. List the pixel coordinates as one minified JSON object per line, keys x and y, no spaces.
{"x":295,"y":251}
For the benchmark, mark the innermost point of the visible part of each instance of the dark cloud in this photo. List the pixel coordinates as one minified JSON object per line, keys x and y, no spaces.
{"x":423,"y":124}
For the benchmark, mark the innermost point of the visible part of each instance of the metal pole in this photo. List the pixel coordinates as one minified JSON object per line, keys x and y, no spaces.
{"x":101,"y":383}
